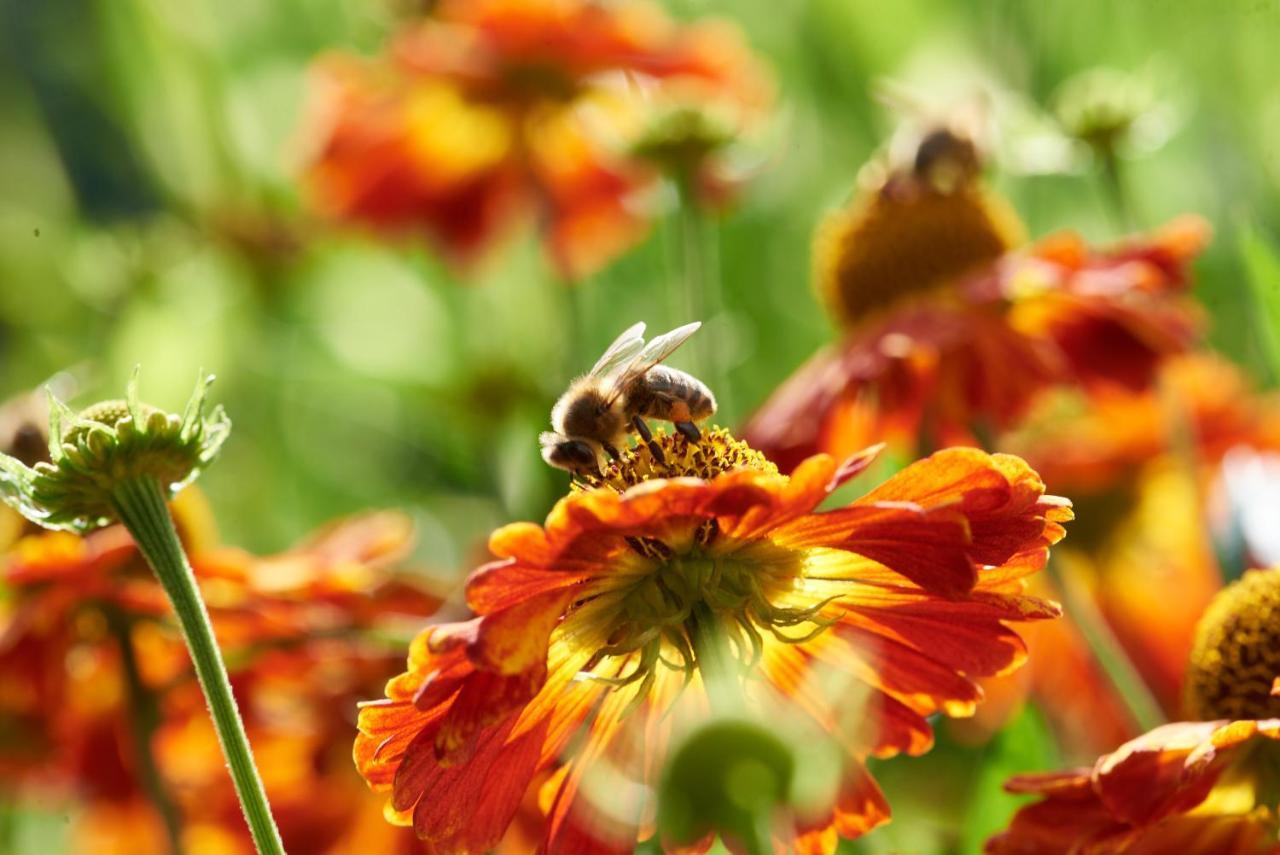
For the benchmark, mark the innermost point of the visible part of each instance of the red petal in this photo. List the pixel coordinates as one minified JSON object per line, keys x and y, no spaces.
{"x":467,"y":808}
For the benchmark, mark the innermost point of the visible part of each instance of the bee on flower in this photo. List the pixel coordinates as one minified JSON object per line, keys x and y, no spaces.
{"x":951,"y":326}
{"x":684,"y":570}
{"x":486,"y":113}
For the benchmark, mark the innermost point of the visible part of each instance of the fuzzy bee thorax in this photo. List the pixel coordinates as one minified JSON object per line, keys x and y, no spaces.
{"x":586,"y":410}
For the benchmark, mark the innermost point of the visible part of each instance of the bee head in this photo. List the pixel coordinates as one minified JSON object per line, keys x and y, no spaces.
{"x":573,"y":455}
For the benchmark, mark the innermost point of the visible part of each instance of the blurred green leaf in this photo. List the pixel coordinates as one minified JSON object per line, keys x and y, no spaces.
{"x":1261,"y":259}
{"x":1023,"y":745}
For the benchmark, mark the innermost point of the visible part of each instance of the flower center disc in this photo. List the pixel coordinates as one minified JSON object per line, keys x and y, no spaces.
{"x":686,"y":568}
{"x":715,"y":453}
{"x":904,"y":240}
{"x":1236,"y":655}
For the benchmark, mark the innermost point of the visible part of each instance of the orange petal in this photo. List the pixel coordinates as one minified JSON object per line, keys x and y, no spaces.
{"x":929,"y":547}
{"x":514,"y":640}
{"x":466,"y":808}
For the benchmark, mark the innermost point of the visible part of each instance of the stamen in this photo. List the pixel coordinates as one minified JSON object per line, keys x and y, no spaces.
{"x":714,"y":453}
{"x":695,"y":570}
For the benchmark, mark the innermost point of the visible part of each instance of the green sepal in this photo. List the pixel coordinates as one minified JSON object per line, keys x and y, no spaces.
{"x":93,"y":452}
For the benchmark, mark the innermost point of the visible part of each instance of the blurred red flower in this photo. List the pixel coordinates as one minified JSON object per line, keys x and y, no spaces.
{"x":1163,"y":792}
{"x":92,"y":665}
{"x":948,"y":331}
{"x":1202,"y":787}
{"x":492,"y":109}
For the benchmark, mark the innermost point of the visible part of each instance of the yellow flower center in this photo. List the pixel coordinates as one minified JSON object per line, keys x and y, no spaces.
{"x":716,"y":452}
{"x":906,"y":239}
{"x":1236,"y":655}
{"x":661,"y":598}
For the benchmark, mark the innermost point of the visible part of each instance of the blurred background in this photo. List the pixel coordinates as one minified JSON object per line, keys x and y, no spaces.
{"x":150,"y":214}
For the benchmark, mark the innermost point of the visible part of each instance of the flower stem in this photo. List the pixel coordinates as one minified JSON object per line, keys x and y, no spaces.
{"x":715,"y":661}
{"x":140,"y":504}
{"x":700,"y":298}
{"x":143,"y":716}
{"x":1116,"y":190}
{"x":1106,"y":648}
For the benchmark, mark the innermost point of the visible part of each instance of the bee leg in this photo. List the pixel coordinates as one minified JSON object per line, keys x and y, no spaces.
{"x":647,"y":437}
{"x":689,"y":431}
{"x":612,"y":452}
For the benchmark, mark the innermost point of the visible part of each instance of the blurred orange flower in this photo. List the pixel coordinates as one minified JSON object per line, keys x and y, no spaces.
{"x":491,"y":109}
{"x":1141,"y":469}
{"x":591,"y":627}
{"x":92,"y":665}
{"x":1203,"y":787}
{"x":949,"y":332}
{"x":1165,"y":791}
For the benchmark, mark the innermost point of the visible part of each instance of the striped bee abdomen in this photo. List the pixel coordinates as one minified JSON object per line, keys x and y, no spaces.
{"x":671,"y":395}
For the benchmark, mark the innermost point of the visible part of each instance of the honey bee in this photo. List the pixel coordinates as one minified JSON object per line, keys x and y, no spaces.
{"x":626,"y":385}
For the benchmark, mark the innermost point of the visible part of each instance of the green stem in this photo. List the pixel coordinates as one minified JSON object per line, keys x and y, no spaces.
{"x":140,"y":504}
{"x":1106,"y":648}
{"x":143,"y":718}
{"x":8,"y":824}
{"x":1116,"y":190}
{"x":700,"y":297}
{"x":716,"y":662}
{"x":721,"y":674}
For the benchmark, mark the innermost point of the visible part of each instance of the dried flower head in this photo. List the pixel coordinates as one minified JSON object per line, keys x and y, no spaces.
{"x":91,"y":453}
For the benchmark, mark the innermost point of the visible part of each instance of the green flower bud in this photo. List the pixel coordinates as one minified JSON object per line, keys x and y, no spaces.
{"x":728,"y":777}
{"x":91,"y":454}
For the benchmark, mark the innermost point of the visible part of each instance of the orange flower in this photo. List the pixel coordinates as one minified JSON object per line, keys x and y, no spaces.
{"x":1143,"y":465}
{"x":494,"y":108}
{"x":91,"y":661}
{"x":1094,"y":445}
{"x":1148,"y":797}
{"x":589,"y":629}
{"x":948,"y":330}
{"x":1204,"y":787}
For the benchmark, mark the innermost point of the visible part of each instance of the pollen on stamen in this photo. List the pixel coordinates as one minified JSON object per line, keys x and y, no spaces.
{"x":717,"y":451}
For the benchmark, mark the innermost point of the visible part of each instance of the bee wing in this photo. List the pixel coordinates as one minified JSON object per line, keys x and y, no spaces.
{"x":654,"y":352}
{"x":625,"y":348}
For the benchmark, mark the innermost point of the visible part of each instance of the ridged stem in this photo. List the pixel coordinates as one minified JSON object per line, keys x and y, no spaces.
{"x":140,"y":504}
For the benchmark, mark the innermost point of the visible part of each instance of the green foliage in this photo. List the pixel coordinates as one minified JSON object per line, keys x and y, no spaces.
{"x":150,"y":213}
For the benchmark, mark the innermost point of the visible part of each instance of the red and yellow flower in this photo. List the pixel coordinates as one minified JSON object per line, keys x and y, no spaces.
{"x":91,"y":661}
{"x":950,"y":330}
{"x":589,"y":639}
{"x":1145,"y":466}
{"x":490,"y":110}
{"x":1209,"y":786}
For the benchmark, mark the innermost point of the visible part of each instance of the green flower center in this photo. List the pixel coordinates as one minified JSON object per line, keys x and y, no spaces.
{"x":691,"y":574}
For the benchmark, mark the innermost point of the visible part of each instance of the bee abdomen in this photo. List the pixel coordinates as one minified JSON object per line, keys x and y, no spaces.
{"x":673,"y":395}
